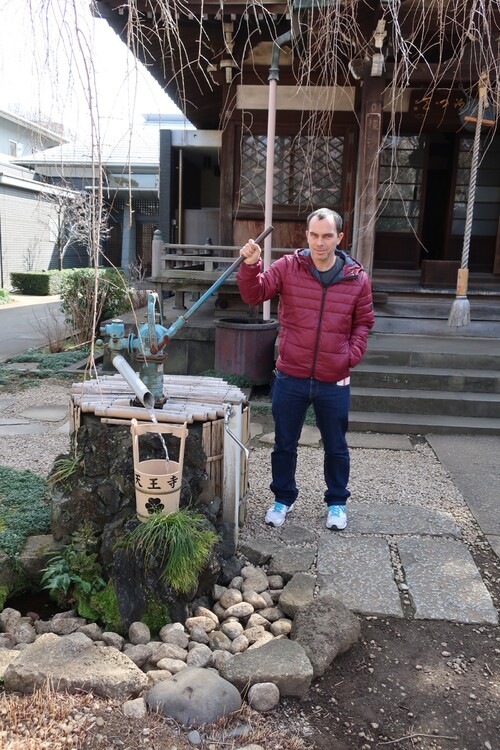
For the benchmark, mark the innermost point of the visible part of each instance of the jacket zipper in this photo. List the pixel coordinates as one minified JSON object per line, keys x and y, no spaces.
{"x":323,"y":298}
{"x":325,"y":288}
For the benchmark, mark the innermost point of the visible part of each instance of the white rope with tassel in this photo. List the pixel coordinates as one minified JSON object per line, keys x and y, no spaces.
{"x":460,"y":310}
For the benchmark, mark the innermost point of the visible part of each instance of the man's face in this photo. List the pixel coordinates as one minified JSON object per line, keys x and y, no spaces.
{"x":323,"y":238}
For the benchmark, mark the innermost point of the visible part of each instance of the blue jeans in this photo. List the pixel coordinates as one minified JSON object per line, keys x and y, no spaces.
{"x":291,"y":398}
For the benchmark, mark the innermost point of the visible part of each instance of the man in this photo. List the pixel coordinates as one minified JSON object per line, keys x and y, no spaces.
{"x":325,"y":314}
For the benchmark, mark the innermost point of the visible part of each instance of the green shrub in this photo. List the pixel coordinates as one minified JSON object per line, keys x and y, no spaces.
{"x":53,"y":362}
{"x":79,"y":298}
{"x":23,"y":508}
{"x":241,"y":381}
{"x":37,"y":283}
{"x":5,"y":297}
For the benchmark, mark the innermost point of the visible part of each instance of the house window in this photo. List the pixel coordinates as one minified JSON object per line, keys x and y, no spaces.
{"x":487,"y":195}
{"x":14,"y":148}
{"x":400,"y":183}
{"x":307,"y":171}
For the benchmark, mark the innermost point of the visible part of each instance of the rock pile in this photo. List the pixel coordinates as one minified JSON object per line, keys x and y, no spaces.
{"x":258,"y":638}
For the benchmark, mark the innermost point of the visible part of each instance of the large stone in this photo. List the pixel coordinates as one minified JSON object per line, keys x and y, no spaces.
{"x":36,"y":555}
{"x":194,"y":697}
{"x":59,"y":626}
{"x":7,"y":655}
{"x":283,"y":662}
{"x":9,"y":618}
{"x":325,"y":628}
{"x":298,"y":592}
{"x":9,"y":576}
{"x":73,"y":663}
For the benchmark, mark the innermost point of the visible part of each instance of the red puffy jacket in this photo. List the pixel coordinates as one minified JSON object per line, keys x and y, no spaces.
{"x":323,"y":330}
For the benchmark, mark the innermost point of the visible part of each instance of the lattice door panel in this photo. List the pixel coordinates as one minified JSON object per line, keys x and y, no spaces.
{"x":307,"y":171}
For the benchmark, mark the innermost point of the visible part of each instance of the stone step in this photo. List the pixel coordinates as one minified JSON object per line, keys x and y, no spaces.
{"x":433,"y":327}
{"x":421,"y":424}
{"x":427,"y":306}
{"x":426,"y":378}
{"x":435,"y":357}
{"x":395,"y":400}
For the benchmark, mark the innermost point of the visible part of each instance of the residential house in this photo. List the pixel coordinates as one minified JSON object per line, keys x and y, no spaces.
{"x":126,"y":169}
{"x":26,"y":241}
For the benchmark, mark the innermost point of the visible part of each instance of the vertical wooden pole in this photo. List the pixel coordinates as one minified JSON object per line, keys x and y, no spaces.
{"x":368,"y":169}
{"x":227,"y":160}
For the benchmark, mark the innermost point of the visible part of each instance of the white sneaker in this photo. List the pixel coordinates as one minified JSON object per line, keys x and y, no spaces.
{"x":276,"y":515}
{"x":336,"y":518}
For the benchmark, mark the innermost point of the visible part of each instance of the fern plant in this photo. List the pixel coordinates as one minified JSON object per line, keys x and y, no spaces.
{"x":75,"y":573}
{"x":179,"y":542}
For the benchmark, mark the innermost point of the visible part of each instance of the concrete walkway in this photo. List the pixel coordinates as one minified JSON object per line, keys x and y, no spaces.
{"x":441,"y":580}
{"x":25,"y":321}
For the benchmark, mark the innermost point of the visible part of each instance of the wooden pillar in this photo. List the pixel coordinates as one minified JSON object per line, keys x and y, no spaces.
{"x":368,"y":168}
{"x":496,"y":261}
{"x":165,"y":186}
{"x":226,"y":185}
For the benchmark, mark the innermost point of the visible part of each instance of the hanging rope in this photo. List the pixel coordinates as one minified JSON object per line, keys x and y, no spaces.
{"x":460,"y":310}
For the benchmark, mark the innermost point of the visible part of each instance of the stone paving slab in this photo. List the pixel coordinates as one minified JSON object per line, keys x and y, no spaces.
{"x":291,"y":560}
{"x":32,"y":428}
{"x":359,"y":573}
{"x":379,"y":441}
{"x":494,"y":540}
{"x":309,"y":436}
{"x":6,"y":402}
{"x":473,"y":465}
{"x":397,"y":519}
{"x":22,"y":366}
{"x":13,"y":420}
{"x":256,"y":428}
{"x":47,"y":413}
{"x":444,"y":582}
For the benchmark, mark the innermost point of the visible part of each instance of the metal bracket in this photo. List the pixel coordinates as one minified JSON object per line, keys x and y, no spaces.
{"x":228,"y":409}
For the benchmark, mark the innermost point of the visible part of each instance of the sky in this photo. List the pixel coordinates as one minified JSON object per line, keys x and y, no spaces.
{"x":60,"y":64}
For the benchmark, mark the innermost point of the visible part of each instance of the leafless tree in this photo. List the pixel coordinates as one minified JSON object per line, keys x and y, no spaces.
{"x":77,"y":217}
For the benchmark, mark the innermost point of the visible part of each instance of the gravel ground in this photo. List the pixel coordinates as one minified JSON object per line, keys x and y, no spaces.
{"x":34,"y":452}
{"x":392,"y":477}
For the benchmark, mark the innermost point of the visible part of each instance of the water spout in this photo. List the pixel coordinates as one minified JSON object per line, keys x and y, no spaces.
{"x":133,"y":380}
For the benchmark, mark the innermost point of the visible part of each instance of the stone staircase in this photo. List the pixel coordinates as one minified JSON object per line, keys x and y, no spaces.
{"x":420,"y":376}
